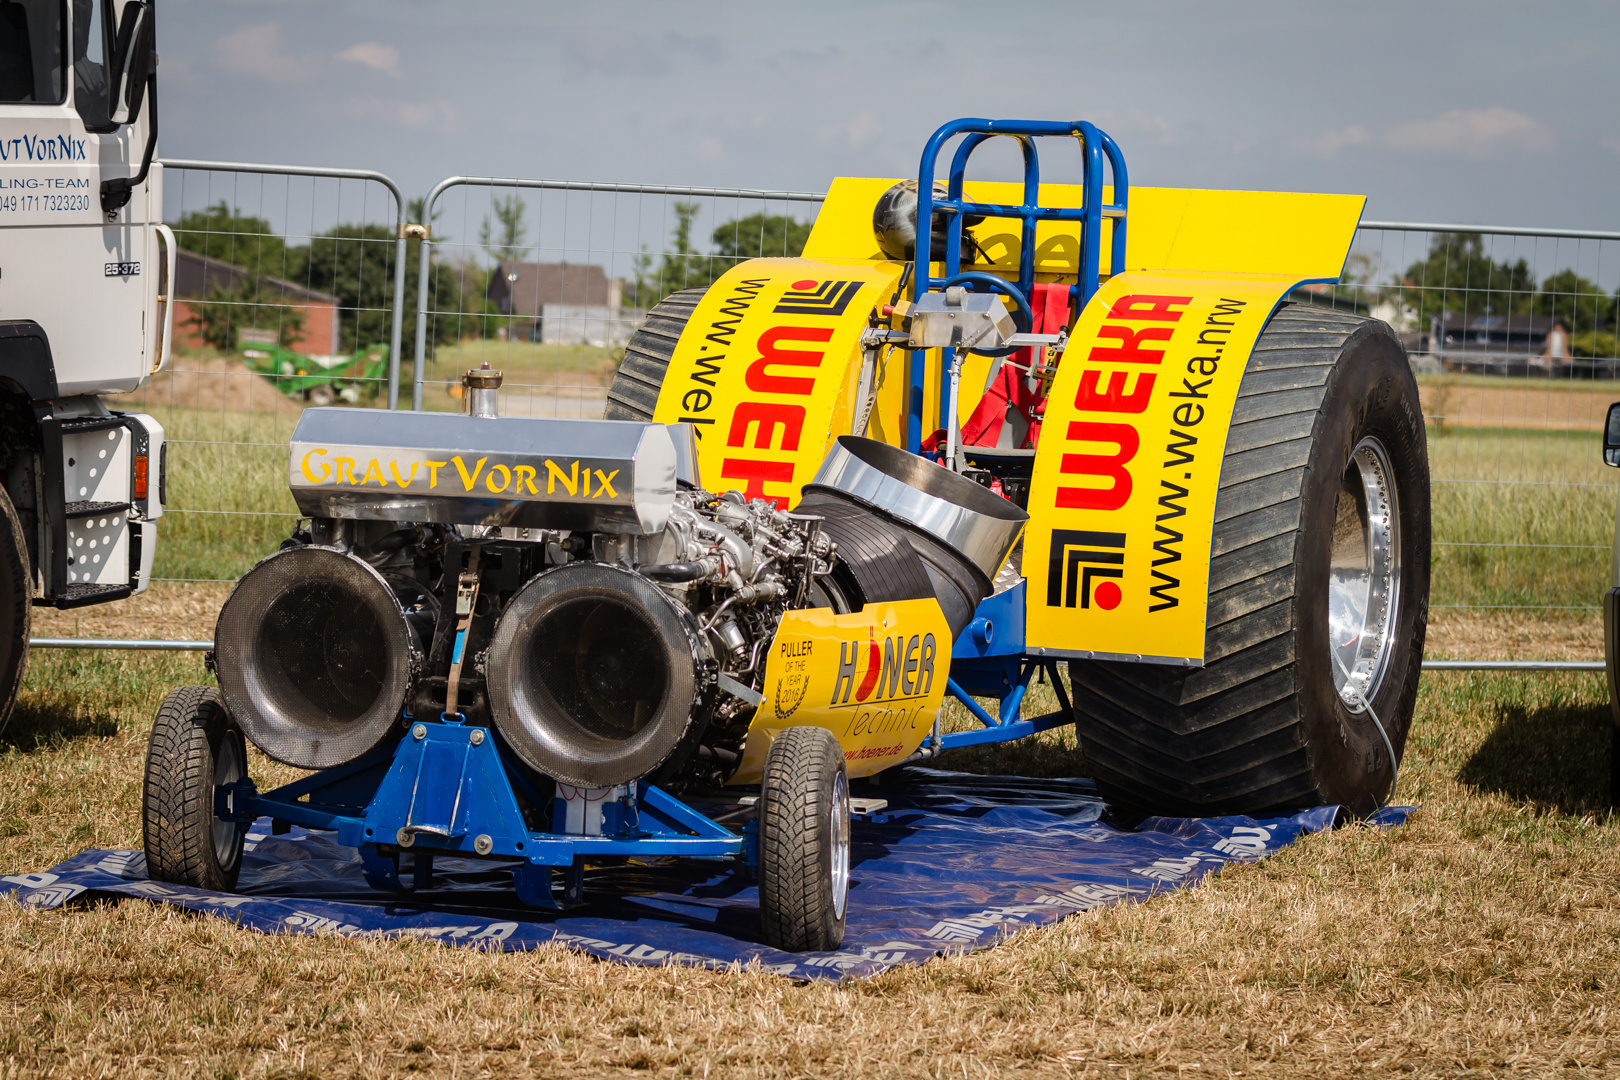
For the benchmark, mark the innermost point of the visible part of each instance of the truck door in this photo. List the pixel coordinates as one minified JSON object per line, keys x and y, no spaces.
{"x":84,"y":276}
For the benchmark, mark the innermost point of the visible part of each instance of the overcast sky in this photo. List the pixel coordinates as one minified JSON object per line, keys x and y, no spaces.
{"x":1468,"y":112}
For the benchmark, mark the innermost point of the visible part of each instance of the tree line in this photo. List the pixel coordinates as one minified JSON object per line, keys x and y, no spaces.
{"x":1459,"y":276}
{"x":355,"y":264}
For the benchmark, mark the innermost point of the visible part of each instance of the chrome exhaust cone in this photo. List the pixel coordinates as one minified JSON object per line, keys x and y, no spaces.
{"x":314,"y":657}
{"x":596,"y":677}
{"x":962,"y":530}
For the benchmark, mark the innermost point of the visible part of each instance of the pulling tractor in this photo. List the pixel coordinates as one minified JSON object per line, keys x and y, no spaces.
{"x":1084,"y":429}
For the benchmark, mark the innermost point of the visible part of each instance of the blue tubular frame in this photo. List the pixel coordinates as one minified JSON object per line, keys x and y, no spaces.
{"x":452,"y":788}
{"x":1094,"y":144}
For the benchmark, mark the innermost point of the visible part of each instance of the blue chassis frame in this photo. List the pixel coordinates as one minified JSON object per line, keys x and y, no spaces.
{"x":449,"y":789}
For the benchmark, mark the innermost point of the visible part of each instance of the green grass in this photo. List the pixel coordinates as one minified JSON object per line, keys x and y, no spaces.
{"x":1542,"y":383}
{"x":228,"y":502}
{"x":1520,"y":518}
{"x":528,"y":367}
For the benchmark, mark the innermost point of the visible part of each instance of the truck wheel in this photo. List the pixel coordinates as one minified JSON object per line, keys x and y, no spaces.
{"x":16,"y":605}
{"x":193,"y":749}
{"x":634,"y":392}
{"x":804,"y":842}
{"x":1318,"y":595}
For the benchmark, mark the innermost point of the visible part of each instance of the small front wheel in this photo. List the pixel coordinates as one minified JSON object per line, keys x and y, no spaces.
{"x":194,"y":749}
{"x":804,"y":842}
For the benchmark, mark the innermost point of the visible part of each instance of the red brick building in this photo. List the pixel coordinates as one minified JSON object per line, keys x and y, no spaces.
{"x":195,"y":275}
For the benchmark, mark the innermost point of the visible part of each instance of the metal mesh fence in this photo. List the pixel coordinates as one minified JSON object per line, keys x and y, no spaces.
{"x":1512,"y":335}
{"x":547,"y":280}
{"x":283,"y":298}
{"x":287,"y":287}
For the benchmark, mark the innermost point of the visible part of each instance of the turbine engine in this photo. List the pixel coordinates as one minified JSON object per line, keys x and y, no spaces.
{"x":568,"y":583}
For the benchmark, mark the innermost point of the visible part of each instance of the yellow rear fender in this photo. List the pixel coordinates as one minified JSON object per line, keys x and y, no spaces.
{"x":1122,"y":501}
{"x":768,"y":367}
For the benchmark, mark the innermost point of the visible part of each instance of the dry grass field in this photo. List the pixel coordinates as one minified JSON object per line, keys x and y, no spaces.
{"x":1482,"y":937}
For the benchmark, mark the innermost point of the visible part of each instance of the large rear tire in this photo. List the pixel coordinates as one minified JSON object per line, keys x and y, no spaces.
{"x":1326,"y":461}
{"x":16,"y":606}
{"x":633,"y":394}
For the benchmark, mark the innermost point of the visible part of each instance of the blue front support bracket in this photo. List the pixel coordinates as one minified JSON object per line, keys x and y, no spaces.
{"x":988,"y":660}
{"x":445,"y":790}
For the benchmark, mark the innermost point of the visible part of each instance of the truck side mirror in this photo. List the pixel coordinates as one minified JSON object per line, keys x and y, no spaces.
{"x":132,"y":62}
{"x":1611,"y":436}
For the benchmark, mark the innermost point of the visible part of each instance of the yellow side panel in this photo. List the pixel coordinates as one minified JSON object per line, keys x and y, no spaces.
{"x":1122,"y":503}
{"x":1291,"y":234}
{"x":875,"y":679}
{"x":765,"y":370}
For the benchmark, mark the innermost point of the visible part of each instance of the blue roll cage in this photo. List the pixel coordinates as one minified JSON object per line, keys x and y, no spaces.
{"x":1095,"y":145}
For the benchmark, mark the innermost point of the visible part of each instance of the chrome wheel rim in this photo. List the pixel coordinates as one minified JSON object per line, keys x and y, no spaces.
{"x":1364,"y":575}
{"x":228,"y":768}
{"x":838,"y":829}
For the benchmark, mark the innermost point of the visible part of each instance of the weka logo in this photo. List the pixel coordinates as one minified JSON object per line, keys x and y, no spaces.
{"x":810,"y":297}
{"x":1080,"y":558}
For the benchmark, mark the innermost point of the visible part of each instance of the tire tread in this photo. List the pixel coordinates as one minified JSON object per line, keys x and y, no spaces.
{"x":178,"y":791}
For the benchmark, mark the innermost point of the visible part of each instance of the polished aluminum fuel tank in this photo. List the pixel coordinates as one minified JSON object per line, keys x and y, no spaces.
{"x":531,"y":472}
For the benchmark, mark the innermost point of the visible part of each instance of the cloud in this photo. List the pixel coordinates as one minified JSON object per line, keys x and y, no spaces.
{"x":374,"y":55}
{"x":1475,"y":133}
{"x":257,"y":51}
{"x":858,"y":130}
{"x":439,"y":114}
{"x":1328,"y":144}
{"x":618,"y":51}
{"x":1612,"y":142}
{"x":1137,"y":121}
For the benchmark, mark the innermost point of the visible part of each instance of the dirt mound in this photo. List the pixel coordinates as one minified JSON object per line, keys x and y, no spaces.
{"x":220,"y":383}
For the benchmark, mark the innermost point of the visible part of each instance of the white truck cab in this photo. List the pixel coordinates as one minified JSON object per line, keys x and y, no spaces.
{"x":85,"y":267}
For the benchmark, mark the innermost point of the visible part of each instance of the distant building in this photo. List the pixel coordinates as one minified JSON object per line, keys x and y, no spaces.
{"x":1497,"y":339}
{"x":562,"y":303}
{"x":195,"y":275}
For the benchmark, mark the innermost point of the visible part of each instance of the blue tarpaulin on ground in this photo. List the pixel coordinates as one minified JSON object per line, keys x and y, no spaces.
{"x":954,"y":863}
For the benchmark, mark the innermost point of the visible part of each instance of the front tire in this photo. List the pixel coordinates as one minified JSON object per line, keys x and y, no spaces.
{"x":194,"y":748}
{"x":16,"y":606}
{"x":1319,"y":592}
{"x":804,"y":842}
